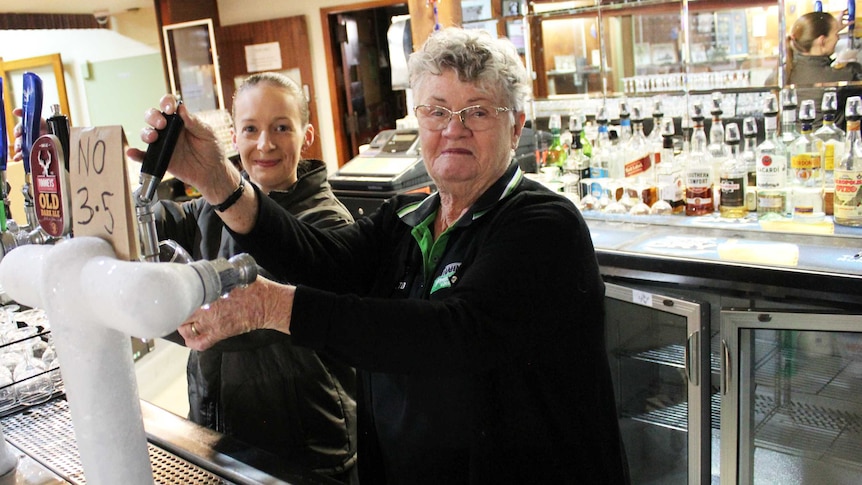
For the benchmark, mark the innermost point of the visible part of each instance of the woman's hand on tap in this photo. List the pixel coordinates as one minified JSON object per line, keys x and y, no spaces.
{"x":198,"y":157}
{"x":18,"y":132}
{"x":262,"y":304}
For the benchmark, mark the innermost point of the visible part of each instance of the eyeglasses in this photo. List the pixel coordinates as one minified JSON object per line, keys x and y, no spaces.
{"x":474,"y":118}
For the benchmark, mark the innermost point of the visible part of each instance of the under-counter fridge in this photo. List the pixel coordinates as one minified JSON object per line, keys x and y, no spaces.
{"x":659,"y":351}
{"x":791,"y":398}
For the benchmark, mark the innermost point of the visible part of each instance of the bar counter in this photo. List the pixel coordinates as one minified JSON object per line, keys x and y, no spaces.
{"x":181,"y":452}
{"x":786,"y":260}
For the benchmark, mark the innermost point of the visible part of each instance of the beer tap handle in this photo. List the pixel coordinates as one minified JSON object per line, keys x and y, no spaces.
{"x":153,"y":169}
{"x":32,"y":109}
{"x":158,"y":156}
{"x":4,"y":158}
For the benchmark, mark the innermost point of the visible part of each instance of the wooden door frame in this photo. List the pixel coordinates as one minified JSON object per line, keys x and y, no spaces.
{"x":338,"y":115}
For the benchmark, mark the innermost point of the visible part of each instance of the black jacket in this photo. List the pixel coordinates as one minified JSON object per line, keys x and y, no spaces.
{"x":260,"y":387}
{"x":483,"y":351}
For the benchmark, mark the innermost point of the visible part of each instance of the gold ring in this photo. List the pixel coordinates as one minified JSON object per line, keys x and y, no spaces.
{"x":194,"y":330}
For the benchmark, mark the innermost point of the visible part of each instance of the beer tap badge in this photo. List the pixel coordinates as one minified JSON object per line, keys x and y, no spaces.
{"x":50,"y":185}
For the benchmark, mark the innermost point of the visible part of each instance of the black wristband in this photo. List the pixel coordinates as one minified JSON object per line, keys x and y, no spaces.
{"x":232,"y":198}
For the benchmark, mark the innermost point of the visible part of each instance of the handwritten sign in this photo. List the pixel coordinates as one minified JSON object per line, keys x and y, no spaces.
{"x":100,"y":194}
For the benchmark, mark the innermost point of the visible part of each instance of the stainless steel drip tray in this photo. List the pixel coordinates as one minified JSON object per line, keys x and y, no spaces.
{"x":181,"y":452}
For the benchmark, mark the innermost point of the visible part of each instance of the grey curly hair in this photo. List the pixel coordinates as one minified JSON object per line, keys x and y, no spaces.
{"x":491,"y":64}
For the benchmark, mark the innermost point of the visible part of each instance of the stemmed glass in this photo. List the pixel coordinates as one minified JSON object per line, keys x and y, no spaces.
{"x":34,"y":384}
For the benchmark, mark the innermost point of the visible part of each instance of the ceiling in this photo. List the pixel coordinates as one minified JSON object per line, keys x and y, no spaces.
{"x":78,"y":6}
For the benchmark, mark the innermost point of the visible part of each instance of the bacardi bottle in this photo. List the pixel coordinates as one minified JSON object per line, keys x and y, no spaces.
{"x":771,"y":157}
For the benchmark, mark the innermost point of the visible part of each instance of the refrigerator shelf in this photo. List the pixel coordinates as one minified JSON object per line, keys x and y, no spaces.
{"x":810,"y":430}
{"x":672,"y":355}
{"x":676,"y":416}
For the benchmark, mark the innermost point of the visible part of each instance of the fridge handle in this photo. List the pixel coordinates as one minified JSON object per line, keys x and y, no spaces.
{"x":725,"y":367}
{"x":692,"y":367}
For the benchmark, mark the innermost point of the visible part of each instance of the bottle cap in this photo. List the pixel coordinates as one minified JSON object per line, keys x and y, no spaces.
{"x":788,"y":98}
{"x":716,"y":104}
{"x":853,"y":108}
{"x":602,"y":115}
{"x":807,"y":111}
{"x":575,"y":123}
{"x":554,"y":122}
{"x":667,"y":128}
{"x":770,"y":105}
{"x":731,"y":134}
{"x":624,"y":108}
{"x":749,"y":127}
{"x":830,"y":101}
{"x":657,"y":109}
{"x":636,"y":114}
{"x":697,"y":111}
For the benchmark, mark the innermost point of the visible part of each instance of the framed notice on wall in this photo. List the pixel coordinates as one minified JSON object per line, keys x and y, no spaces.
{"x":192,"y":64}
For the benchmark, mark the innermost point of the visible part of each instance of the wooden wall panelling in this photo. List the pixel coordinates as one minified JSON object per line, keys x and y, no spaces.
{"x":292,"y":36}
{"x":177,"y":11}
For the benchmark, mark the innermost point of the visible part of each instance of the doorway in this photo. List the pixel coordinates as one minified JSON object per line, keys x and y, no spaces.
{"x":360,"y":82}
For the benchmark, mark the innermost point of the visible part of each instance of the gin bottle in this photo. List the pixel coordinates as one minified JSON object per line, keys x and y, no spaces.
{"x":848,"y":172}
{"x":806,"y":176}
{"x":830,"y":141}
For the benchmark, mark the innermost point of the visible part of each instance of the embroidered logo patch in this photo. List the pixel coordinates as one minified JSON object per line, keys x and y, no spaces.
{"x":447,"y":278}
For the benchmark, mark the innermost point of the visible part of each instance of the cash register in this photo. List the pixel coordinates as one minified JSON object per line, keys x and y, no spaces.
{"x":390,"y":165}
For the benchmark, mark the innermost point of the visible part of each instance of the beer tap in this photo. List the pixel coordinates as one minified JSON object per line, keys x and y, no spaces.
{"x":95,"y":301}
{"x":7,"y":239}
{"x":31,"y":125}
{"x":153,"y":169}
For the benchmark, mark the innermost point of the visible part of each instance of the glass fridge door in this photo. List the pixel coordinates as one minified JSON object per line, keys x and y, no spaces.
{"x":791,"y":398}
{"x":658,"y":348}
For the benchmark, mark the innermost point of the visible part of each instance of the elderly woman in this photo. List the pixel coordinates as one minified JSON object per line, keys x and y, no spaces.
{"x":475,"y":313}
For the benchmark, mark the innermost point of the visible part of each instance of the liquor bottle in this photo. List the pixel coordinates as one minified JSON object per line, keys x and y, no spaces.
{"x":600,"y":161}
{"x":848,"y":172}
{"x":668,"y":176}
{"x":698,"y":171}
{"x":637,"y":167}
{"x":588,"y":135}
{"x":556,"y":153}
{"x":566,"y":139}
{"x":831,"y":146}
{"x":717,"y":147}
{"x":733,"y":178}
{"x":655,"y":138}
{"x":576,"y":172}
{"x":749,"y":158}
{"x":806,"y":177}
{"x":625,"y":131}
{"x":771,"y":157}
{"x":687,"y":127}
{"x":789,"y":104}
{"x":637,"y":162}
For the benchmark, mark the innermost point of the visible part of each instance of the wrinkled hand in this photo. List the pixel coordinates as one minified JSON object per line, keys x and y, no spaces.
{"x":263,"y":304}
{"x":18,"y":132}
{"x":198,"y":158}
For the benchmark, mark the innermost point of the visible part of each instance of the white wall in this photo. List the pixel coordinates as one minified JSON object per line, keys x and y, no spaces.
{"x":76,"y":48}
{"x":141,"y":37}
